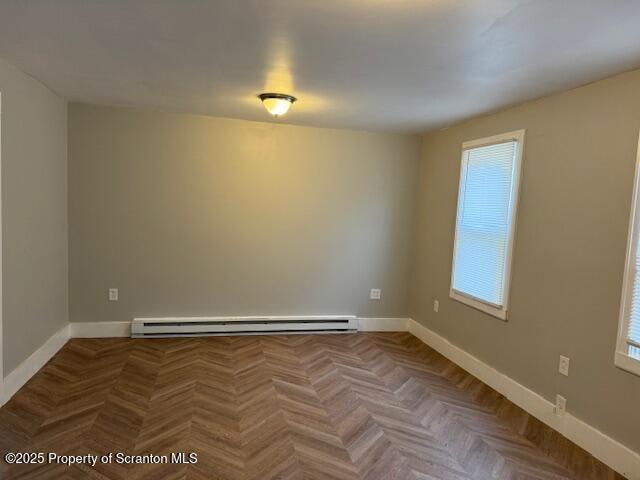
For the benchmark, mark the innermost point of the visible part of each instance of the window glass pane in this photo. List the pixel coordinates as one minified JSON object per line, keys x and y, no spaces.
{"x":628,"y":347}
{"x":483,"y":222}
{"x":634,"y":320}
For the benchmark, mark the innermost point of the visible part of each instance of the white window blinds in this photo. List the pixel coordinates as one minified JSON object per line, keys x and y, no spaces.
{"x":633,"y":330}
{"x":628,"y":348}
{"x":484,"y":225}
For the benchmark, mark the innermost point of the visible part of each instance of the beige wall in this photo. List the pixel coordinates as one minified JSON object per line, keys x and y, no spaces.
{"x":34,"y":214}
{"x":568,"y":263}
{"x":193,"y":215}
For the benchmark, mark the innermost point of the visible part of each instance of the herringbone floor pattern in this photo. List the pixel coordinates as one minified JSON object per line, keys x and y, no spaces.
{"x":374,"y":406}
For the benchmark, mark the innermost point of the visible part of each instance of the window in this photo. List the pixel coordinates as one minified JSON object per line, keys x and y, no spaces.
{"x":628,"y":348}
{"x":485,"y":222}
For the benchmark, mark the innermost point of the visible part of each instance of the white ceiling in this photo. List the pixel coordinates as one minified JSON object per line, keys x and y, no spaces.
{"x":392,"y":65}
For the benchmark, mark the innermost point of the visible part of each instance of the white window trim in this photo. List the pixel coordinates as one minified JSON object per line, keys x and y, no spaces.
{"x":2,"y":391}
{"x":498,"y":311}
{"x":622,"y":358}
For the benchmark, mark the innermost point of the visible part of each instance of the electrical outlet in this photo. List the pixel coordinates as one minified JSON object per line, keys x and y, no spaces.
{"x":563,"y":366}
{"x":113,"y":294}
{"x":436,"y":306}
{"x":561,"y":405}
{"x":375,"y":294}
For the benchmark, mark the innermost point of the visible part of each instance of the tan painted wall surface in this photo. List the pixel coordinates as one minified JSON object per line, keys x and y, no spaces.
{"x":569,"y":254}
{"x":192,"y":215}
{"x":34,"y":214}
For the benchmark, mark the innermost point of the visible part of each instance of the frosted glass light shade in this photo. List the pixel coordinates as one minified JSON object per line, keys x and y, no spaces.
{"x":277,"y":104}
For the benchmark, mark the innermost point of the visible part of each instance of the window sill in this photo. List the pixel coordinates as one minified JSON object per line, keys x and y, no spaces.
{"x":625,"y":362}
{"x":497,"y":312}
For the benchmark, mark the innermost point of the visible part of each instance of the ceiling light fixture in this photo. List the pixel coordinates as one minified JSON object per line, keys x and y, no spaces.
{"x":277,"y":104}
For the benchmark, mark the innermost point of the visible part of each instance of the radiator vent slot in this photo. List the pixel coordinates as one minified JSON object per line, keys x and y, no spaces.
{"x":213,"y":326}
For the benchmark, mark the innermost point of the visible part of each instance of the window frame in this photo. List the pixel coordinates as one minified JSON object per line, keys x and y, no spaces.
{"x":498,"y":311}
{"x":622,"y":358}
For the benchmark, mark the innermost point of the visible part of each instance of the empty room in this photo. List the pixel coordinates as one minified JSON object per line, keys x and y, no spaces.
{"x":320,"y":240}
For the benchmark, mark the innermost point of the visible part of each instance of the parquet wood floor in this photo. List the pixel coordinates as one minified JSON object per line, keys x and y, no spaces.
{"x":375,"y":406}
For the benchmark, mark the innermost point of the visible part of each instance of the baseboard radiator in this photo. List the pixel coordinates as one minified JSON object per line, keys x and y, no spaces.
{"x":218,"y":326}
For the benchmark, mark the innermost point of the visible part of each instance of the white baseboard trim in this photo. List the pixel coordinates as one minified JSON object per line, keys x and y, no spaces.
{"x":383,"y":324}
{"x":601,"y":446}
{"x":28,"y":368}
{"x":100,"y":329}
{"x":123,"y":329}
